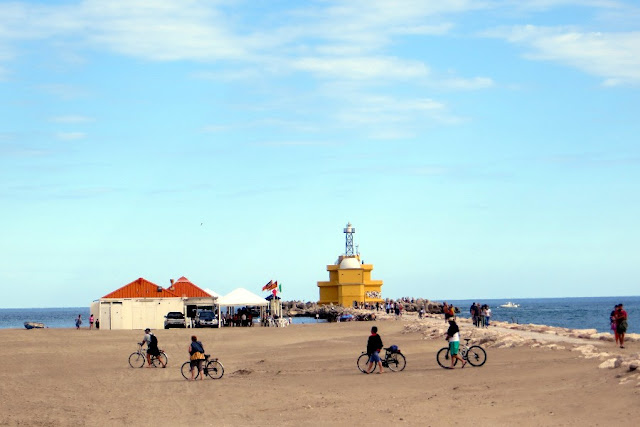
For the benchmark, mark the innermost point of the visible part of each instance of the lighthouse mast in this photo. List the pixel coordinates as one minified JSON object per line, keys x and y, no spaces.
{"x":348,"y":231}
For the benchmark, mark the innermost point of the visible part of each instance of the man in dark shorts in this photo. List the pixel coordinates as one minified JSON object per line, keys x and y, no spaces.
{"x":374,"y":345}
{"x":152,"y":347}
{"x":621,"y":323}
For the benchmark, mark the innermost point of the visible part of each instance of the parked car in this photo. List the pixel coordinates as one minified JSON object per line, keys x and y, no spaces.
{"x":174,"y":319}
{"x":206,"y":318}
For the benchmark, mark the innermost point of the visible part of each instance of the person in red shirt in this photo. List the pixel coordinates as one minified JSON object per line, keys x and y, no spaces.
{"x":621,"y":323}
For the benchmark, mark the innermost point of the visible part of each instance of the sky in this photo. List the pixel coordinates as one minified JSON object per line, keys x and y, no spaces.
{"x":481,"y":149}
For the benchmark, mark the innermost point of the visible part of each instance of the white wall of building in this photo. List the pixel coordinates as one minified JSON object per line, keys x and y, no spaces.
{"x":139,"y":313}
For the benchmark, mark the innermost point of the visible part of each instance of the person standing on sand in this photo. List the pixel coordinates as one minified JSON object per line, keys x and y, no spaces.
{"x":374,"y":345}
{"x":91,"y":321}
{"x":614,"y":323}
{"x":196,"y":357}
{"x":621,"y":323}
{"x":79,"y":321}
{"x":453,"y":336}
{"x":487,"y":315}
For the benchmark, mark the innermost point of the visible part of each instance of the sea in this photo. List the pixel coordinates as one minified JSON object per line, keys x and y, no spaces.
{"x":65,"y":317}
{"x":573,"y":313}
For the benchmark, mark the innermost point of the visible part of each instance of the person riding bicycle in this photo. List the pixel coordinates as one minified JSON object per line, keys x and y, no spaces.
{"x":196,"y":356}
{"x":374,"y":345}
{"x":453,"y":336}
{"x":152,"y":347}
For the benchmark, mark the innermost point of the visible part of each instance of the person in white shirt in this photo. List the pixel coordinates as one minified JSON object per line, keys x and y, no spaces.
{"x":453,"y":336}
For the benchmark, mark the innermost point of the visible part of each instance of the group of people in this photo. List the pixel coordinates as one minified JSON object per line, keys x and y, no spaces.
{"x":196,"y":353}
{"x":91,"y":319}
{"x":480,"y":315}
{"x":449,"y":311}
{"x":393,"y":307}
{"x":618,"y":319}
{"x":241,"y":318}
{"x":374,"y":346}
{"x":374,"y":343}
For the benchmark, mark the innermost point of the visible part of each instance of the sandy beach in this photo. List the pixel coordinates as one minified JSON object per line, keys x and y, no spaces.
{"x":307,"y":375}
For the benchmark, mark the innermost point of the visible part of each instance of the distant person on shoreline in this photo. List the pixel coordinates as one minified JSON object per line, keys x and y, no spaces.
{"x":374,"y":345}
{"x":614,"y":323}
{"x":621,"y":323}
{"x":453,"y":336}
{"x":79,"y":321}
{"x":91,"y":321}
{"x":487,"y":315}
{"x":473,"y":314}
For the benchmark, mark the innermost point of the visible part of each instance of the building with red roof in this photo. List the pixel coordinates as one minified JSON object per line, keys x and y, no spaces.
{"x":143,"y":304}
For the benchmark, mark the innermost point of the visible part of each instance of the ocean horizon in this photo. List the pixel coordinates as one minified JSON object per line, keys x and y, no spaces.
{"x":572,"y":313}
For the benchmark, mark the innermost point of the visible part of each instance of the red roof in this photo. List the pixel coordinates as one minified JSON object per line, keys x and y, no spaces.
{"x":141,"y":288}
{"x":184,"y":288}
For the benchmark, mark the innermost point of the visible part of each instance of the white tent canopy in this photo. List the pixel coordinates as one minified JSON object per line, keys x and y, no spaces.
{"x":239,"y":298}
{"x":212,"y":293}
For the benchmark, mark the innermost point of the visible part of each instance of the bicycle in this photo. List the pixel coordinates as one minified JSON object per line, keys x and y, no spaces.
{"x":393,"y":359}
{"x":475,"y":355}
{"x":212,"y":368}
{"x":138,"y":358}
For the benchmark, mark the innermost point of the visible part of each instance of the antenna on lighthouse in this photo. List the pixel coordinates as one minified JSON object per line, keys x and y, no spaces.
{"x":348,"y":231}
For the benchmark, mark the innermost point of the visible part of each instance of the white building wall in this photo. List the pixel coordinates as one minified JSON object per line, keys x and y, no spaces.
{"x":138,"y":313}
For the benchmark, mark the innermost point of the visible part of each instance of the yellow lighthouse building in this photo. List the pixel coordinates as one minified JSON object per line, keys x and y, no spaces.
{"x":349,"y":279}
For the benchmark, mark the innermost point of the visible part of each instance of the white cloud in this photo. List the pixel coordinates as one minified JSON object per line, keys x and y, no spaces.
{"x":71,"y":119}
{"x":362,"y":67}
{"x":71,"y":136}
{"x":467,"y":84}
{"x":613,"y":56}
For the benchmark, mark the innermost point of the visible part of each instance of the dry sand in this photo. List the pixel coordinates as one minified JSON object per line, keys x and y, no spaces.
{"x":301,"y":375}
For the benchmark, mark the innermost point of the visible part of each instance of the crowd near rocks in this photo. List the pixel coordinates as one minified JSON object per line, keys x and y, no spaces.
{"x":363,"y":310}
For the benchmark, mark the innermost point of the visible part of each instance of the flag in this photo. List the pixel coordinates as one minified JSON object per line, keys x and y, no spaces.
{"x":280,"y":288}
{"x":268,"y":286}
{"x":274,"y":292}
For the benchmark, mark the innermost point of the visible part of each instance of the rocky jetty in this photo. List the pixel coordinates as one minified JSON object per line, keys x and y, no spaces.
{"x":588,"y":343}
{"x":334,"y":312}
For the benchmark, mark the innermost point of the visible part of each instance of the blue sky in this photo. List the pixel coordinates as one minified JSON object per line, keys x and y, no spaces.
{"x":482,"y":149}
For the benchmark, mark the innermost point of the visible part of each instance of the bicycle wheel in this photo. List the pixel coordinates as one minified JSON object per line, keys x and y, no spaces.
{"x":214,"y":370}
{"x":444,"y":359}
{"x":185,"y":370}
{"x":397,"y":362}
{"x":136,"y":360}
{"x":363,"y":363}
{"x":157,"y":361}
{"x":476,"y":356}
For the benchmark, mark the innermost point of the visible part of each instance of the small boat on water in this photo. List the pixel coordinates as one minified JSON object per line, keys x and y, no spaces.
{"x":33,"y":325}
{"x":510,"y":305}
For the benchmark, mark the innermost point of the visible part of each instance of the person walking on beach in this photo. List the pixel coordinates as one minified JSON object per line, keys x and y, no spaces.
{"x":374,"y":345}
{"x":79,"y":321}
{"x":453,"y":336}
{"x":487,"y":315}
{"x":621,"y":323}
{"x":472,"y":313}
{"x":196,"y":357}
{"x":152,"y":347}
{"x":91,"y":321}
{"x":614,"y":323}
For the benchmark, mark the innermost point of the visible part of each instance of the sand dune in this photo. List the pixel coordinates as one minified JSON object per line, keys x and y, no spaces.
{"x":307,"y":375}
